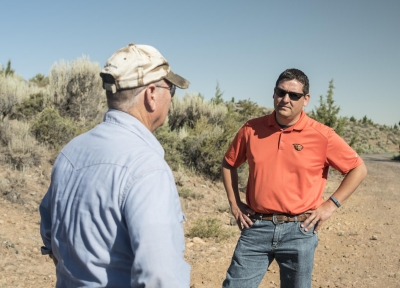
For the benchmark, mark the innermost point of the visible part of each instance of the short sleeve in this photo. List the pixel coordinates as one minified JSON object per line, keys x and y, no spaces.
{"x":236,"y":153}
{"x":340,"y":155}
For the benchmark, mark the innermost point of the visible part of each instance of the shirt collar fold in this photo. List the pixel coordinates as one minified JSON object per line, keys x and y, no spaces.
{"x":133,"y":125}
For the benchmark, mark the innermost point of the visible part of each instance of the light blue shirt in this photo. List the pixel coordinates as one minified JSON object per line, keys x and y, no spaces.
{"x":112,"y":215}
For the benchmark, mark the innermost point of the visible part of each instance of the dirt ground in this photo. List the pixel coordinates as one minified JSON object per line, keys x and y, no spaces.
{"x":358,"y":247}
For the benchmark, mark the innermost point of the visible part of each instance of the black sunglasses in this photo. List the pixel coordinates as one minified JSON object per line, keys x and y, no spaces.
{"x":171,"y":89}
{"x":292,"y":95}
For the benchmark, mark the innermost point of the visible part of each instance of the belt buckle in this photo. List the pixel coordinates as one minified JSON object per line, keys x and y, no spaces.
{"x":275,"y":219}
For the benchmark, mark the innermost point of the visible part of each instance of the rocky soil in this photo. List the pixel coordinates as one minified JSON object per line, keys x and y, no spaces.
{"x":358,"y":247}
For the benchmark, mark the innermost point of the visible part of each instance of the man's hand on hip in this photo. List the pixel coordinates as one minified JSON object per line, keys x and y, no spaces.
{"x":240,"y":213}
{"x":319,"y":215}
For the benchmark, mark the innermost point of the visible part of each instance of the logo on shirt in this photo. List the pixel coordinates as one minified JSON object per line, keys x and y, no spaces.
{"x":298,"y":147}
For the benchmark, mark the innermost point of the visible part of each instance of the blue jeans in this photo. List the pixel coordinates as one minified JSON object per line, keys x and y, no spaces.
{"x":260,"y":244}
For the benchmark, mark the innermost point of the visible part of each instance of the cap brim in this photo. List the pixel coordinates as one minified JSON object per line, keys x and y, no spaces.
{"x":177,"y":80}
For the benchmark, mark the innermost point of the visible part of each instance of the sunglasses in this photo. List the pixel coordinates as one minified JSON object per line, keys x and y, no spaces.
{"x":171,"y":89}
{"x":292,"y":95}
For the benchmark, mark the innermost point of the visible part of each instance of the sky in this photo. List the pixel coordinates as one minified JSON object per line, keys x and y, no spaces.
{"x":242,"y":45}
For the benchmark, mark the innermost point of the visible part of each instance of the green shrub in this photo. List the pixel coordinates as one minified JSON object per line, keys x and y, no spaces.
{"x":224,"y":208}
{"x":327,"y":112}
{"x":13,"y":90}
{"x":13,"y":187}
{"x":172,"y":144}
{"x":52,"y":129}
{"x":207,"y":143}
{"x":184,"y":193}
{"x":76,"y":88}
{"x":187,"y":193}
{"x":204,"y":148}
{"x":208,"y":228}
{"x":40,"y":80}
{"x":187,"y":111}
{"x":246,"y":110}
{"x":31,"y":106}
{"x":19,"y":149}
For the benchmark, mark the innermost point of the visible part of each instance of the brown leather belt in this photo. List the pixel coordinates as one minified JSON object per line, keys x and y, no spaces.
{"x":280,"y":218}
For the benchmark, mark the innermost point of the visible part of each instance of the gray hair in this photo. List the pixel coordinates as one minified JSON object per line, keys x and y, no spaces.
{"x":125,"y":99}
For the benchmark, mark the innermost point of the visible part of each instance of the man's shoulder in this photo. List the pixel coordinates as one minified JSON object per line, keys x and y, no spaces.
{"x":117,"y":147}
{"x":318,"y":127}
{"x":257,"y":121}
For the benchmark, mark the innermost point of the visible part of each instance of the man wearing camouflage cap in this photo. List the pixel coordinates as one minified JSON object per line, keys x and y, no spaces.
{"x":112,"y":215}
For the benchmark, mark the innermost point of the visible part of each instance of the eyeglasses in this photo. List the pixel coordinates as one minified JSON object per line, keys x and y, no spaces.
{"x":292,"y":95}
{"x":171,"y":89}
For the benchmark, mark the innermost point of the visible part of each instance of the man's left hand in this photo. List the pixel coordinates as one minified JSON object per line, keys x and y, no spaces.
{"x":319,"y":215}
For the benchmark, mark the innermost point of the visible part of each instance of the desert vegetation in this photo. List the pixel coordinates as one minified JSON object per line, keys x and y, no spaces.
{"x":39,"y":116}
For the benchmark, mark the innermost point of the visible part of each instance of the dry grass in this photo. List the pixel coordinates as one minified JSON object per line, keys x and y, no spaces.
{"x":209,"y":228}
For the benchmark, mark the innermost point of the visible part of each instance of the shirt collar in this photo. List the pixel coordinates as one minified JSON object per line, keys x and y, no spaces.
{"x":132,"y":124}
{"x":298,"y":126}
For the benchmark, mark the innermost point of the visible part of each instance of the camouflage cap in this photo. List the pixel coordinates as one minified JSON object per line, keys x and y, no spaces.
{"x":137,"y":65}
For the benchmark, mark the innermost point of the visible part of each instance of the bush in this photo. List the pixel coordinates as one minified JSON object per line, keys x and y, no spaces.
{"x":13,"y":187}
{"x":208,"y":228}
{"x":40,"y":80}
{"x":52,"y":129}
{"x":76,"y":88}
{"x":13,"y":90}
{"x":204,"y":148}
{"x":224,"y":208}
{"x":20,"y":150}
{"x":187,"y":111}
{"x":327,"y":112}
{"x":247,"y":110}
{"x":172,"y":144}
{"x":30,"y":107}
{"x":207,"y":143}
{"x":201,"y":132}
{"x":187,"y":193}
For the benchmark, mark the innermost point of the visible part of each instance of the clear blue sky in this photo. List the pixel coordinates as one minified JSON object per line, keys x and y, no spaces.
{"x":244,"y":45}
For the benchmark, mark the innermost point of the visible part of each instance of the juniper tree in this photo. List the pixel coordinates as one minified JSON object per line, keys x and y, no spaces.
{"x":327,"y":112}
{"x":40,"y":80}
{"x":8,"y":70}
{"x":217,"y":99}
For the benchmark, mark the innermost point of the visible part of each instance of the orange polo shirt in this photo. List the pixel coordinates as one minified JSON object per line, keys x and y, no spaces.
{"x":288,"y":168}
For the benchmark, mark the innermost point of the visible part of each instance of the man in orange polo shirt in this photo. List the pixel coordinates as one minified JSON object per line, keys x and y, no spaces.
{"x":289,"y":155}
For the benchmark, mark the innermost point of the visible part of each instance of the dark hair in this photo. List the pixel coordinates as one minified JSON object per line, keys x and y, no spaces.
{"x":295,"y":74}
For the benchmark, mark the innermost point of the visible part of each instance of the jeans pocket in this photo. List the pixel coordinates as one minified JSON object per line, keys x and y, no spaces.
{"x":255,"y":223}
{"x":310,"y":232}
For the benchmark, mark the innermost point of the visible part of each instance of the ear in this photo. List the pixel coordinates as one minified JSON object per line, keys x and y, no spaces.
{"x":150,"y":98}
{"x":306,"y":99}
{"x":273,"y":95}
